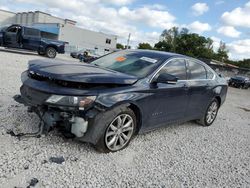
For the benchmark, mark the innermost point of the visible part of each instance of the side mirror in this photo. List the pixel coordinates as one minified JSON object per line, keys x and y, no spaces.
{"x":166,"y":78}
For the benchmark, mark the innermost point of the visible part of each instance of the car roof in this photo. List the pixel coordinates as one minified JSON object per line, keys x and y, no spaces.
{"x":161,"y":53}
{"x":168,"y":55}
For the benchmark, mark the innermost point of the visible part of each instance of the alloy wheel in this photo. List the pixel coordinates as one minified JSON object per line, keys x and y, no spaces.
{"x":119,"y":132}
{"x":212,"y":112}
{"x":51,"y":52}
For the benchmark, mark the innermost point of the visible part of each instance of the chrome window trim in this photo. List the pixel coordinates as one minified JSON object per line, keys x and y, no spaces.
{"x":185,"y":59}
{"x":159,"y":68}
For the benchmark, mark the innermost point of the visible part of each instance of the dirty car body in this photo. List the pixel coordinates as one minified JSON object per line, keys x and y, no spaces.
{"x":159,"y":88}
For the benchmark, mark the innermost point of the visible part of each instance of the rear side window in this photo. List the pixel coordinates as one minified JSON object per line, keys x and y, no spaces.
{"x":196,"y":70}
{"x":176,"y":67}
{"x":31,"y":32}
{"x":210,"y":74}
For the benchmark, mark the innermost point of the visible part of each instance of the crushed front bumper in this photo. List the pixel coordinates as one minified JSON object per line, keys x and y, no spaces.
{"x":69,"y":120}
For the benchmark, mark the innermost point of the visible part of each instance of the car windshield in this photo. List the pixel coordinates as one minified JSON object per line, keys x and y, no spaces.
{"x":135,"y":63}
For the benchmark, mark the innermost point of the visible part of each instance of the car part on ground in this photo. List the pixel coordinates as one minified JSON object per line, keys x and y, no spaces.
{"x":149,"y":88}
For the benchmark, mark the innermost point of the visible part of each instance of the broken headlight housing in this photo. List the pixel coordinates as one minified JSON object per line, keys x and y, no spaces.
{"x":71,"y":101}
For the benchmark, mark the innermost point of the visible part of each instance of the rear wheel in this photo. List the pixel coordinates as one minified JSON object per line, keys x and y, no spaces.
{"x":118,"y":133}
{"x":210,"y":114}
{"x":51,"y":52}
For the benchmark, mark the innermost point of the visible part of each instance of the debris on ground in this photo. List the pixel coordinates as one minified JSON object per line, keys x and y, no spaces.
{"x":33,"y":182}
{"x":57,"y":160}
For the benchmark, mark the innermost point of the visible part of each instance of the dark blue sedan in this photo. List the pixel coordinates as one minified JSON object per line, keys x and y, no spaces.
{"x":119,"y":95}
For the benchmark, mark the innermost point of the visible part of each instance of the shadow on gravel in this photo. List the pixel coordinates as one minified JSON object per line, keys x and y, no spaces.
{"x":245,"y":109}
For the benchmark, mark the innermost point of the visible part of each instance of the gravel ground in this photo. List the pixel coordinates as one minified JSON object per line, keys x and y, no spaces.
{"x":186,"y":155}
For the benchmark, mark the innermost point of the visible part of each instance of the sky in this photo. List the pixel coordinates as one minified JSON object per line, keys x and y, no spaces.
{"x":221,"y":20}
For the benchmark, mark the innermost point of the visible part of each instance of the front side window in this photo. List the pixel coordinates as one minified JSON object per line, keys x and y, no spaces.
{"x":13,"y":29}
{"x":139,"y":64}
{"x":176,"y":67}
{"x":196,"y":70}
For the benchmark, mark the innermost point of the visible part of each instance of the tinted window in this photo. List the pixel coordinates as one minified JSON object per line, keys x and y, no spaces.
{"x":177,"y":68}
{"x":196,"y":70}
{"x":31,"y":32}
{"x":13,"y":29}
{"x":135,"y":63}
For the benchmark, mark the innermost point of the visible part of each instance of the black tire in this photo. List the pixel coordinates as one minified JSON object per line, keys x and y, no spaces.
{"x":50,"y":52}
{"x":205,"y":120}
{"x":40,"y":53}
{"x":101,"y":145}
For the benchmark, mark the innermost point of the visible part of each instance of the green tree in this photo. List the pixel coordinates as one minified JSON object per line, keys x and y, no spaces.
{"x":194,"y":45}
{"x":242,"y":63}
{"x":145,"y":46}
{"x":170,"y":37}
{"x":163,"y":46}
{"x":119,"y":46}
{"x":222,"y":52}
{"x":186,"y":43}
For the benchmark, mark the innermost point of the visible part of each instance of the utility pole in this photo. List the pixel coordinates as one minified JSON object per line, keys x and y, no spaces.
{"x":128,"y":40}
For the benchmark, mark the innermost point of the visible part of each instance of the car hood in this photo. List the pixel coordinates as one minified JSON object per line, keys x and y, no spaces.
{"x":78,"y":72}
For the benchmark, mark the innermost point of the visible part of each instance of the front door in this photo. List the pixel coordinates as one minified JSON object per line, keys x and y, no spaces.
{"x":168,"y":101}
{"x":11,"y":36}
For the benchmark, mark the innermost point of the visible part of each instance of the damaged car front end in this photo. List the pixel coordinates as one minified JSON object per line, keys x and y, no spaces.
{"x":65,"y":99}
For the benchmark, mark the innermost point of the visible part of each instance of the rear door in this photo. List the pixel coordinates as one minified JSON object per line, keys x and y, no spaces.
{"x":200,"y":88}
{"x":31,"y":38}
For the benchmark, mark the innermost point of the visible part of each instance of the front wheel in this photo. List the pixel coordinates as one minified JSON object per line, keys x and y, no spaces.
{"x":210,"y":114}
{"x":119,"y":132}
{"x":50,"y":52}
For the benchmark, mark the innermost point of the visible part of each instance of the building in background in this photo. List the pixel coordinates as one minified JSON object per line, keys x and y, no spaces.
{"x":6,"y":17}
{"x":62,"y":29}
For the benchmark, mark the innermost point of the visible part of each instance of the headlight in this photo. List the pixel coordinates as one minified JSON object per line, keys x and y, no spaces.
{"x":72,"y":101}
